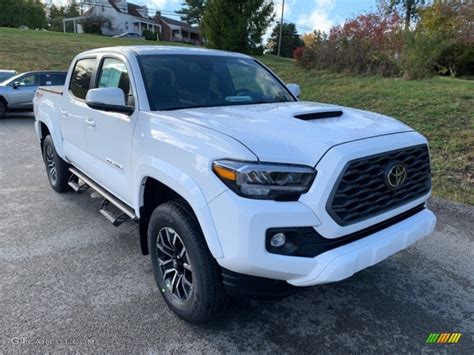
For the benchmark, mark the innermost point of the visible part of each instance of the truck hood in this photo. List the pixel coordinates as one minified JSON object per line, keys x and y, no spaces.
{"x":274,"y":134}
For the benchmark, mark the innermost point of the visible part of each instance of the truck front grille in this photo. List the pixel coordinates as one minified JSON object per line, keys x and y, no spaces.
{"x":362,"y":190}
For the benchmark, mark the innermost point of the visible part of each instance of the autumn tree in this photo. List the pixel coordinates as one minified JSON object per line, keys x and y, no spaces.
{"x":367,"y":44}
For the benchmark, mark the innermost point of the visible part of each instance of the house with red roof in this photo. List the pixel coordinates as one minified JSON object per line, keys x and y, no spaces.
{"x":128,"y":17}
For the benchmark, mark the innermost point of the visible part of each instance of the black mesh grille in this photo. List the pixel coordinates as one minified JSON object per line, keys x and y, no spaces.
{"x":361,"y":191}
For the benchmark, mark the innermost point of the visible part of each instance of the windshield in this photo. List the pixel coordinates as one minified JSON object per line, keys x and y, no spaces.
{"x":185,"y":81}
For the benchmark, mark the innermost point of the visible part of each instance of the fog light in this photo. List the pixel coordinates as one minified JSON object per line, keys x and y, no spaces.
{"x":278,"y":240}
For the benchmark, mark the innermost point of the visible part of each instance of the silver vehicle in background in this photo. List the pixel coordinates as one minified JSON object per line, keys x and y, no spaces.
{"x":129,"y":35}
{"x":17,"y":92}
{"x":7,"y":74}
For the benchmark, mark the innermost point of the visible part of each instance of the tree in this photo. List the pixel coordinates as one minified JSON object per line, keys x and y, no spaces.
{"x":409,"y":7}
{"x":72,"y":10}
{"x":237,"y":25}
{"x":16,"y":13}
{"x":314,"y":38}
{"x":290,"y":40}
{"x":308,"y":38}
{"x":56,"y":11}
{"x":56,"y":16}
{"x":192,"y":11}
{"x":442,"y":42}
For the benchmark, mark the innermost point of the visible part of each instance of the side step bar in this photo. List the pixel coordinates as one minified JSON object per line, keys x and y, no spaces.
{"x":108,"y":199}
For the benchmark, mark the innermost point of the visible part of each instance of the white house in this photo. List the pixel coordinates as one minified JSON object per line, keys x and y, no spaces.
{"x":125,"y":17}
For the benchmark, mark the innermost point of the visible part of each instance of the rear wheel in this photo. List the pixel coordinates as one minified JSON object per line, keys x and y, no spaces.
{"x":56,"y":168}
{"x":3,"y":109}
{"x":185,"y":271}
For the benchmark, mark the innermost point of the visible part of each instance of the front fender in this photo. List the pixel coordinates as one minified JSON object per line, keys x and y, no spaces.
{"x":186,"y":187}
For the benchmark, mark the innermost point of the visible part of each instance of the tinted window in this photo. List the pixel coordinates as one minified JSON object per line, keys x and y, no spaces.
{"x":29,"y":80}
{"x":53,"y":79}
{"x":114,"y":74}
{"x":186,"y":81}
{"x":81,"y":77}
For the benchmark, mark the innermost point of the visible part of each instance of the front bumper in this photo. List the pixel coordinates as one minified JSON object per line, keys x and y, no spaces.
{"x":242,"y":223}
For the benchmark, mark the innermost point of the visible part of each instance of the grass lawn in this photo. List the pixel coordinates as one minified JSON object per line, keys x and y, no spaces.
{"x":440,"y":108}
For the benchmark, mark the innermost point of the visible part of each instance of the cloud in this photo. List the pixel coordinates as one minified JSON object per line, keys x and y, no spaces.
{"x":319,"y":18}
{"x":288,"y":7}
{"x":161,"y":4}
{"x":277,"y":11}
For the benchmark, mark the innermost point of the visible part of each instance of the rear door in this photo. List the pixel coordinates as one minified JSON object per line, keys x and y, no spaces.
{"x":109,"y":138}
{"x":23,"y":90}
{"x":74,"y":114}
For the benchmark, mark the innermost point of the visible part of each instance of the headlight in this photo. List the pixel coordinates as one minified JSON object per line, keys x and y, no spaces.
{"x":265,"y":181}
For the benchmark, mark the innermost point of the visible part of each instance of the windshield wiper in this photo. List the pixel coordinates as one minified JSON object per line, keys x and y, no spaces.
{"x":184,"y":107}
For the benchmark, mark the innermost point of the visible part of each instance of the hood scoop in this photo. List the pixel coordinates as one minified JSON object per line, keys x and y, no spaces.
{"x":318,"y":115}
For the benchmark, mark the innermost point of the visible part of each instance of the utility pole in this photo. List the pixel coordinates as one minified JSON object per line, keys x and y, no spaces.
{"x":281,"y":26}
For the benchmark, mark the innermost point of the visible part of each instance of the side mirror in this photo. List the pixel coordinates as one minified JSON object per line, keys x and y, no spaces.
{"x":294,"y":89}
{"x":16,"y":84}
{"x":108,"y":99}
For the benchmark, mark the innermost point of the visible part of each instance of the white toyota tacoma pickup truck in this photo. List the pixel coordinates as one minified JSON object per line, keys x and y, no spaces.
{"x":238,"y":188}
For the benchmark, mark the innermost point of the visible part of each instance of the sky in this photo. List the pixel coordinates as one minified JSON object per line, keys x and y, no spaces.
{"x":307,"y":14}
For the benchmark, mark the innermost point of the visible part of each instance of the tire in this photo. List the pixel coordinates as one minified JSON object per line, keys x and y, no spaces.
{"x":3,"y":108}
{"x":205,"y":298}
{"x":56,"y":168}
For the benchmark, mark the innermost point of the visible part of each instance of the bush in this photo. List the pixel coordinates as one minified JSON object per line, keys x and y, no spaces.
{"x":369,"y":44}
{"x":442,"y":43}
{"x":456,"y":60}
{"x":375,"y":43}
{"x":94,"y":24}
{"x":149,"y":35}
{"x":298,"y":53}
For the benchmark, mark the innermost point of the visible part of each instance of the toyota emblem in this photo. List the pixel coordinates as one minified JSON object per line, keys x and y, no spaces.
{"x":396,"y":175}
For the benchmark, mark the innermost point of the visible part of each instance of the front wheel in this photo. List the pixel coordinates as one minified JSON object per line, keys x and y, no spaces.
{"x":185,"y":271}
{"x":56,"y":168}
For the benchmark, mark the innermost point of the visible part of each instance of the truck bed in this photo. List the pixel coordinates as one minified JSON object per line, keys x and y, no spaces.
{"x":53,"y":89}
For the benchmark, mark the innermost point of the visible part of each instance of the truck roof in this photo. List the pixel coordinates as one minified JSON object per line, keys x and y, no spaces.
{"x":158,"y":49}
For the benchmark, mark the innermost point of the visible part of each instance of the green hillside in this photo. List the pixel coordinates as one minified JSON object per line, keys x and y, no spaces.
{"x":441,"y":108}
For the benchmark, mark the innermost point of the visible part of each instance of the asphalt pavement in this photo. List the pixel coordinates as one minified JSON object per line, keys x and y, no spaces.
{"x":71,"y":281}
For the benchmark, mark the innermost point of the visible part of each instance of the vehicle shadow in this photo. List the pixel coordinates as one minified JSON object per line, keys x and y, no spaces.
{"x":18,"y":115}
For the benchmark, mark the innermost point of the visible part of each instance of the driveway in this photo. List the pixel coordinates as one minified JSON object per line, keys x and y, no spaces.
{"x":69,"y":280}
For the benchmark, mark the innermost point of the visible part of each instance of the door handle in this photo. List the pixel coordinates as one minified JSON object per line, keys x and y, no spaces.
{"x":63,"y":112}
{"x":90,"y":122}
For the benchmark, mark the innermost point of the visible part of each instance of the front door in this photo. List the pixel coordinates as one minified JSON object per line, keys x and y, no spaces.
{"x":74,"y":115}
{"x":109,"y":138}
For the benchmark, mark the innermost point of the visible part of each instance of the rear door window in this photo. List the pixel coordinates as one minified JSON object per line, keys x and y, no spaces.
{"x":81,"y":77}
{"x":53,"y":79}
